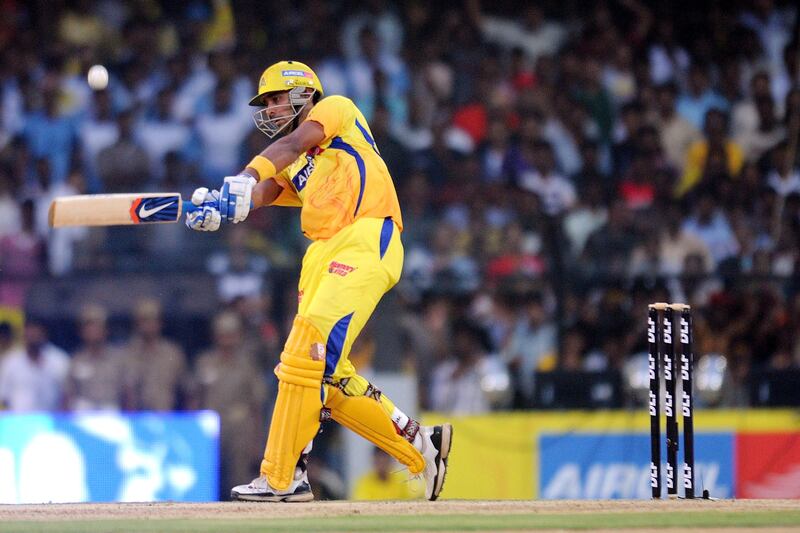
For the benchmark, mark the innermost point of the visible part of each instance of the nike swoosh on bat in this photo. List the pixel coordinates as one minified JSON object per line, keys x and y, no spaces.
{"x":145,"y":212}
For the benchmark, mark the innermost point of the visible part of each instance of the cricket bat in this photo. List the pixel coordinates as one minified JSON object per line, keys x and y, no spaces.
{"x":118,"y":209}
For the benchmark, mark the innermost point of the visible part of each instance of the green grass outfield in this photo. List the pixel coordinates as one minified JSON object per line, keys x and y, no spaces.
{"x":426,"y":522}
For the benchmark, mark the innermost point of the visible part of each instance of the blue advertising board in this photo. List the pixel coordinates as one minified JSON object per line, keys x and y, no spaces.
{"x":105,"y":457}
{"x":617,"y":465}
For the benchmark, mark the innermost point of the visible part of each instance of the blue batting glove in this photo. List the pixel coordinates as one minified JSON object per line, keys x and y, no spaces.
{"x":236,"y":196}
{"x":208,"y":217}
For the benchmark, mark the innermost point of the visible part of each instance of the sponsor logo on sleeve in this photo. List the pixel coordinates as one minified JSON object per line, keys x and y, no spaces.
{"x":340,"y":269}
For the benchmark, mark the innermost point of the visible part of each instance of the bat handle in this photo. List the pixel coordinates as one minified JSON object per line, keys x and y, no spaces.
{"x":189,"y":207}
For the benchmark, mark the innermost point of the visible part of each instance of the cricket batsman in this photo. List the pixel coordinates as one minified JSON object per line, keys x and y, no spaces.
{"x":325,"y":162}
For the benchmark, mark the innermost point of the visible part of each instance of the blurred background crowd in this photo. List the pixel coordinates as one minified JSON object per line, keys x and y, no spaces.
{"x":560,"y":165}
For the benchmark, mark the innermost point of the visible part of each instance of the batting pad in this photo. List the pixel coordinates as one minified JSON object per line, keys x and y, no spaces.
{"x":367,"y":417}
{"x":295,"y":419}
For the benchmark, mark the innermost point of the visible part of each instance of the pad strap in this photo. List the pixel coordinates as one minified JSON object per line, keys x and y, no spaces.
{"x":365,"y":415}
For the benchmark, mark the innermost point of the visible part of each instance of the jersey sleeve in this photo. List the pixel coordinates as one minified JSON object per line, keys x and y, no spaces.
{"x":288,"y":196}
{"x":334,"y":113}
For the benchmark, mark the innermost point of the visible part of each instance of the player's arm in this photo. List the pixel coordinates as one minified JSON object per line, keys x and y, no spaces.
{"x":278,"y":156}
{"x":236,"y":196}
{"x":254,"y":186}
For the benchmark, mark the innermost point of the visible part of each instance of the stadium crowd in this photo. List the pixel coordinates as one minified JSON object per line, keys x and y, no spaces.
{"x":560,"y":165}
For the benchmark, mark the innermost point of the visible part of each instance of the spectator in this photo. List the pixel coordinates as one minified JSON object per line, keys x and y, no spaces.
{"x":531,"y":347}
{"x":456,"y":382}
{"x":608,"y":248}
{"x":393,"y":152}
{"x":769,"y":133}
{"x":96,"y":379}
{"x":773,"y":25}
{"x":571,"y":357}
{"x":49,"y":133}
{"x":155,"y":367}
{"x":239,"y":272}
{"x":677,"y":245}
{"x":677,"y":133}
{"x":227,"y":380}
{"x":385,"y":481}
{"x":22,"y":259}
{"x":221,"y":133}
{"x":445,"y":266}
{"x":589,"y":214}
{"x":540,"y":177}
{"x":594,"y":97}
{"x":97,"y":132}
{"x":783,"y":177}
{"x":160,"y":134}
{"x":625,"y":146}
{"x":32,"y":375}
{"x":62,"y":243}
{"x":618,"y":76}
{"x":531,"y":32}
{"x":667,"y":57}
{"x":744,"y":114}
{"x":700,"y":98}
{"x":377,"y":75}
{"x":10,"y":216}
{"x":716,"y":142}
{"x":123,"y":166}
{"x":711,"y":225}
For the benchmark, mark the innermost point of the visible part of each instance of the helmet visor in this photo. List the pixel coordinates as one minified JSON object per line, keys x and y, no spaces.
{"x":273,"y":119}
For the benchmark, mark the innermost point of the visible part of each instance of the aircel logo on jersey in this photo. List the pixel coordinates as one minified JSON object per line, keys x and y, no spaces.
{"x":340,"y":269}
{"x":304,"y":173}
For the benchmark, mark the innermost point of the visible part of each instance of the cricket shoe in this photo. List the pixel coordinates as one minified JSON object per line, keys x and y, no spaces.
{"x":259,"y":490}
{"x":435,"y":448}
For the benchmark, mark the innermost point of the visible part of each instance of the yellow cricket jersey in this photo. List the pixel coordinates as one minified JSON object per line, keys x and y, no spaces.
{"x":341,"y":180}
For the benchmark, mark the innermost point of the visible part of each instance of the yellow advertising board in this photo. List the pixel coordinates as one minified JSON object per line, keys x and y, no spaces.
{"x":496,"y":456}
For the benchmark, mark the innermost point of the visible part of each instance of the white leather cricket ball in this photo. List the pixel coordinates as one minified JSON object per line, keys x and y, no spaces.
{"x":97,"y":77}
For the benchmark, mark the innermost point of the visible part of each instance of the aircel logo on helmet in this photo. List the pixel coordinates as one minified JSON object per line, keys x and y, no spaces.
{"x":301,"y":73}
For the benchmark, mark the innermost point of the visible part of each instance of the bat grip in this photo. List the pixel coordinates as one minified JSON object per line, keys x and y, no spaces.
{"x":189,"y":207}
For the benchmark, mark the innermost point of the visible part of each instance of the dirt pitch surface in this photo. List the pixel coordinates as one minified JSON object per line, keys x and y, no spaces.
{"x":237,"y":510}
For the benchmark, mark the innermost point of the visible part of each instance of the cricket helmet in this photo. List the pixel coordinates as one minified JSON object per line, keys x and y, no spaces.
{"x":301,"y":84}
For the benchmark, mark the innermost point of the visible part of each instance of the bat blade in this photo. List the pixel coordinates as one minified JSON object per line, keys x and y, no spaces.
{"x":116,"y":209}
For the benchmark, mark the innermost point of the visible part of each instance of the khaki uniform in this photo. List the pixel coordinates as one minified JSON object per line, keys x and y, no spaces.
{"x":235,"y":387}
{"x":96,"y":381}
{"x":154,"y":374}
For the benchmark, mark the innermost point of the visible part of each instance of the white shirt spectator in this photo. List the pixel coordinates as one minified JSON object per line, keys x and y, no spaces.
{"x":774,"y":31}
{"x":556,"y":193}
{"x":11,"y":108}
{"x":564,"y":146}
{"x":159,"y":137}
{"x":667,"y":65}
{"x":95,"y":136}
{"x":535,"y":347}
{"x":458,"y":394}
{"x":221,"y":137}
{"x":582,"y":222}
{"x":784,"y":186}
{"x":387,"y":27}
{"x":60,"y":243}
{"x":27,"y":385}
{"x":716,"y":234}
{"x":544,"y":40}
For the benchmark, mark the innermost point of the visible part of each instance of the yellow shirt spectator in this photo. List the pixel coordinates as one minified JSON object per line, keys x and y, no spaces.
{"x":696,"y":159}
{"x":386,"y":481}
